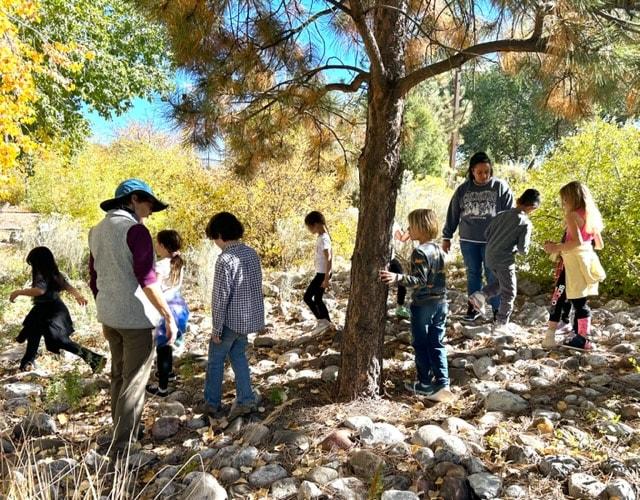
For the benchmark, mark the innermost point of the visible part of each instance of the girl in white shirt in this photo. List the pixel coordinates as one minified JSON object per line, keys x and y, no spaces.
{"x":169,"y":270}
{"x":316,"y":224}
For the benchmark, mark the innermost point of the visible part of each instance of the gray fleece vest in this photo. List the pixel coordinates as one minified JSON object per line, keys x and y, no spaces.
{"x":120,"y":302}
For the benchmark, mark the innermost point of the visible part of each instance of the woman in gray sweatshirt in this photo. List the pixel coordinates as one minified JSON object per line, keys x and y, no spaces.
{"x":472,"y":208}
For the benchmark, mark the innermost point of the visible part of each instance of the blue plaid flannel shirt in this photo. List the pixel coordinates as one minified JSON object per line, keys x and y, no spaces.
{"x":237,"y":300}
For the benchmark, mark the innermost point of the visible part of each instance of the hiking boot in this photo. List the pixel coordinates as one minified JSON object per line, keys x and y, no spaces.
{"x":402,"y":312}
{"x":549,"y":341}
{"x":417,"y":388}
{"x":478,"y":301}
{"x":154,"y":390}
{"x":578,"y":343}
{"x":471,"y":315}
{"x":238,"y":410}
{"x":440,"y":393}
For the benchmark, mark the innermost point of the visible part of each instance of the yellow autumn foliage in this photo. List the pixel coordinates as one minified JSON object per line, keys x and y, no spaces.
{"x":272,"y":204}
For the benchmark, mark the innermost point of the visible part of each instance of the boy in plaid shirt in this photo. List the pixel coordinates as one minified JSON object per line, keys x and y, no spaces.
{"x":238,"y":309}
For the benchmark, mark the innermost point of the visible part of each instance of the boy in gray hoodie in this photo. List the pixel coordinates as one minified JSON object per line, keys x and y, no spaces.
{"x":508,"y":233}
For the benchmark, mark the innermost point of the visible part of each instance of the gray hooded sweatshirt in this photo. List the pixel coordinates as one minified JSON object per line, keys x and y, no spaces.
{"x":472,"y":207}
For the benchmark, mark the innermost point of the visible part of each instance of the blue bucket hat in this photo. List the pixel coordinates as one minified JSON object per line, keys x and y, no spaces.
{"x":131,"y":186}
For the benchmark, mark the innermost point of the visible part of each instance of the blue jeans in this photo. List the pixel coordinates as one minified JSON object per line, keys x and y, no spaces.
{"x":473,"y":256}
{"x":427,"y":330}
{"x":233,"y":345}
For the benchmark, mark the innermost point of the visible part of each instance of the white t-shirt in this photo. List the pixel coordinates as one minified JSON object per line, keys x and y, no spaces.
{"x":323,"y":243}
{"x":163,"y":271}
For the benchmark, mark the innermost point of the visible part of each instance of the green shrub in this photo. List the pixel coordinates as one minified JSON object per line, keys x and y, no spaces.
{"x":606,"y":157}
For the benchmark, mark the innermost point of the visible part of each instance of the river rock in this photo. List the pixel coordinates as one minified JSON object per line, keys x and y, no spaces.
{"x":427,"y":435}
{"x":284,"y":488}
{"x":621,"y":489}
{"x":558,"y":466}
{"x":330,"y":374}
{"x":501,"y":400}
{"x":583,"y":485}
{"x":381,"y":433}
{"x":399,"y":495}
{"x":35,"y":425}
{"x":358,"y":423}
{"x":256,"y":434}
{"x":322,"y":475}
{"x":203,"y":486}
{"x":485,"y":485}
{"x":245,"y":457}
{"x":347,"y":488}
{"x":171,"y":409}
{"x":365,"y":463}
{"x":451,"y":443}
{"x":515,"y":491}
{"x":455,"y":488}
{"x":21,"y":390}
{"x":309,"y":491}
{"x":266,"y":475}
{"x":165,"y":427}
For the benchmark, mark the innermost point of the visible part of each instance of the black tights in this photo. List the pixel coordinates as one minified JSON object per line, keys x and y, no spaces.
{"x":33,"y":342}
{"x":313,"y":297}
{"x":164,"y":361}
{"x":396,"y":267}
{"x":560,"y":305}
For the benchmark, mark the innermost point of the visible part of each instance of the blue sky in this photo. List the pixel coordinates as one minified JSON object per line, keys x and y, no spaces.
{"x":104,"y":131}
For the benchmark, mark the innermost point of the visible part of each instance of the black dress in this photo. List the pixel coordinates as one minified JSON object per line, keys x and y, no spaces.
{"x":48,"y":318}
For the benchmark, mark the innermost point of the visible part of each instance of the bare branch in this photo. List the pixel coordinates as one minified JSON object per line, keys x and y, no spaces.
{"x":455,"y":61}
{"x":373,"y":51}
{"x":354,"y":86}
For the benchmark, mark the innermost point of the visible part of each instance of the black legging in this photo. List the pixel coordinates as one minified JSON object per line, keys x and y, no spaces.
{"x":560,"y":305}
{"x":33,"y":342}
{"x":396,"y":267}
{"x":313,"y":297}
{"x":164,"y":360}
{"x":582,"y":312}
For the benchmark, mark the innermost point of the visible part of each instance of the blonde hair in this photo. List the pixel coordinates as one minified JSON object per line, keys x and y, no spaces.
{"x":578,"y":197}
{"x":426,"y":221}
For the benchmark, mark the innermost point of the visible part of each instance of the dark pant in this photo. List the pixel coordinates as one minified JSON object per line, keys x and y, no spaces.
{"x":560,"y":305}
{"x":396,"y":267}
{"x":33,"y":342}
{"x":313,"y":297}
{"x":505,"y":286}
{"x":582,"y":316}
{"x":164,"y":360}
{"x":131,"y":361}
{"x":428,"y":329}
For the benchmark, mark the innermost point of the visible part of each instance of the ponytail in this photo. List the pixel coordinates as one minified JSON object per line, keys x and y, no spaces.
{"x":172,"y":241}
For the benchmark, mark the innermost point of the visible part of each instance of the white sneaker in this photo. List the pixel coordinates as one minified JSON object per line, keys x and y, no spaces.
{"x":563,"y":327}
{"x":502,"y":328}
{"x":549,"y":341}
{"x":478,"y":301}
{"x":322,"y":326}
{"x":442,"y":395}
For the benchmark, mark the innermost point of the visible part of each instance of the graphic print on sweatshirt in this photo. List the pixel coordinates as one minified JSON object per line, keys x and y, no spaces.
{"x":479,"y":204}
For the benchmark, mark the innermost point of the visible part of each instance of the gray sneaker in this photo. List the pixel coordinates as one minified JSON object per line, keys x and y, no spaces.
{"x":238,"y":410}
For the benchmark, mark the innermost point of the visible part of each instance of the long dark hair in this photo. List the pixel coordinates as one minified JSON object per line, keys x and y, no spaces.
{"x":172,"y":241}
{"x":44,"y":264}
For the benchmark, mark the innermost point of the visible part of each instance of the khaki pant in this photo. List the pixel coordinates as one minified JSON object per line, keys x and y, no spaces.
{"x":131,"y":360}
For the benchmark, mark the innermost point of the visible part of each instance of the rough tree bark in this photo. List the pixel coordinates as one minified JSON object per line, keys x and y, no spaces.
{"x":380,"y":174}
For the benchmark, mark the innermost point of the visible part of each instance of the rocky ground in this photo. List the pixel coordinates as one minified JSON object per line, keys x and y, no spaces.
{"x":525,"y":422}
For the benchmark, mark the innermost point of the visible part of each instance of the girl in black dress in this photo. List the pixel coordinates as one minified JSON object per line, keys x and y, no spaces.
{"x":49,"y":317}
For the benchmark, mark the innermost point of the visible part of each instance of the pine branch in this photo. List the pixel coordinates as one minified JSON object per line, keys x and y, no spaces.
{"x":455,"y":61}
{"x":354,"y":86}
{"x":378,"y":71}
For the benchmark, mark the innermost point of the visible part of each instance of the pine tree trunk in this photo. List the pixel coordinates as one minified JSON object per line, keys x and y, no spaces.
{"x":380,"y":173}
